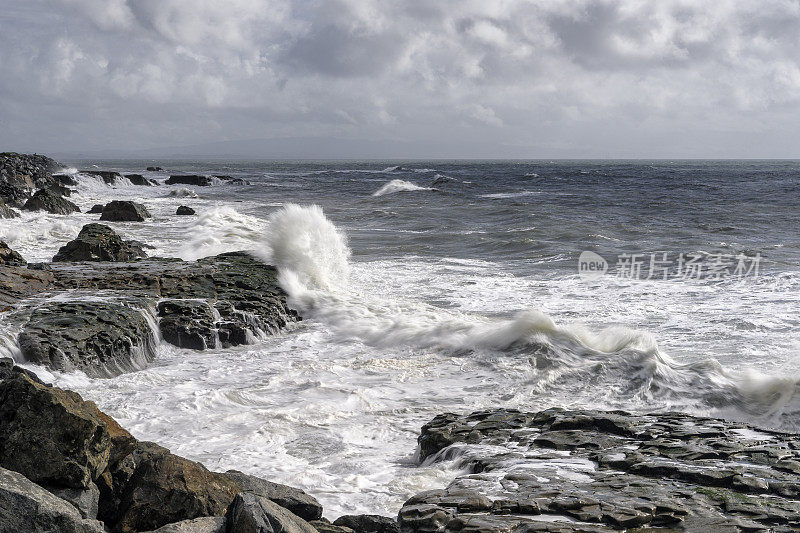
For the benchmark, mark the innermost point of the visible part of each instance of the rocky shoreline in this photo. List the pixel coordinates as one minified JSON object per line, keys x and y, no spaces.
{"x":101,"y":306}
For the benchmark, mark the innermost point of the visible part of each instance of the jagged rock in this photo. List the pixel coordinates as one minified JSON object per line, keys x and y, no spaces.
{"x":250,"y":513}
{"x":154,"y":169}
{"x":325,"y":526}
{"x":297,"y":501}
{"x":65,"y":179}
{"x":50,"y":435}
{"x":207,"y":524}
{"x":611,"y":469}
{"x":22,"y":173}
{"x":368,"y":523}
{"x":25,"y":507}
{"x":150,"y":488}
{"x":124,"y":211}
{"x":138,"y":179}
{"x":189,"y":179}
{"x":46,"y":200}
{"x":85,"y":500}
{"x":60,"y":190}
{"x":109,"y":177}
{"x":97,"y":242}
{"x":187,"y":323}
{"x":7,"y":212}
{"x":9,"y":256}
{"x":96,"y":209}
{"x":185,"y":210}
{"x":100,"y":338}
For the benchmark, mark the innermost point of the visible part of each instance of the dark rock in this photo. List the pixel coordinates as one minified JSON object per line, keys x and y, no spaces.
{"x":250,"y":513}
{"x":65,"y":179}
{"x":101,"y":338}
{"x":18,"y":282}
{"x":97,"y":242}
{"x":46,"y":200}
{"x":138,"y":179}
{"x":60,"y":190}
{"x":96,"y":209}
{"x":206,"y":524}
{"x":50,"y":435}
{"x":25,"y":507}
{"x":154,"y":169}
{"x":325,"y":526}
{"x":22,"y":173}
{"x":7,"y":212}
{"x":9,"y":256}
{"x":109,"y":177}
{"x":85,"y":500}
{"x":124,"y":211}
{"x":298,"y":502}
{"x":189,"y":179}
{"x":185,"y":210}
{"x":187,"y":323}
{"x":368,"y":523}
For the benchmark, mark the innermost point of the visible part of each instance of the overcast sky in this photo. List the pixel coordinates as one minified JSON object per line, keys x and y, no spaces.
{"x":542,"y":78}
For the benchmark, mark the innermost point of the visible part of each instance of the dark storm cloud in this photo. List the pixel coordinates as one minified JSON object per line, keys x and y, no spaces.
{"x":570,"y":78}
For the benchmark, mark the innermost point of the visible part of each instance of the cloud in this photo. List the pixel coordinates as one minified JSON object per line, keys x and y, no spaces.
{"x":538,"y":75}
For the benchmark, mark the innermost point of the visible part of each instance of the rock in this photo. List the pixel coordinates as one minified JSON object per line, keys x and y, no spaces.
{"x":96,"y":209}
{"x":65,"y":179}
{"x":368,"y":523}
{"x":7,"y":212}
{"x":189,"y":179}
{"x":22,"y":173}
{"x":46,"y":200}
{"x":97,"y":242}
{"x":207,"y":524}
{"x":184,"y":210}
{"x":100,"y":338}
{"x":150,"y":488}
{"x":109,"y":177}
{"x":124,"y":211}
{"x":250,"y":513}
{"x":25,"y":507}
{"x":60,"y":190}
{"x":295,"y":500}
{"x":138,"y":179}
{"x":325,"y":526}
{"x":154,"y":169}
{"x":50,"y":435}
{"x":187,"y":323}
{"x":85,"y":500}
{"x":17,"y":283}
{"x":9,"y":256}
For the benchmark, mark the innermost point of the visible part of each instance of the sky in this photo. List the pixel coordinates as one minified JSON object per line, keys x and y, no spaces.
{"x":402,"y":78}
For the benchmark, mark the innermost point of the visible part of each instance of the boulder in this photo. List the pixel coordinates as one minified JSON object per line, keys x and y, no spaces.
{"x":50,"y":435}
{"x":96,"y":209}
{"x":206,"y":524}
{"x":60,"y":190}
{"x":185,"y":210}
{"x":109,"y":177}
{"x":25,"y":507}
{"x":6,"y":211}
{"x":138,"y":179}
{"x":149,"y":488}
{"x":100,"y":338}
{"x":325,"y":526}
{"x":9,"y":256}
{"x":124,"y":211}
{"x":368,"y":523}
{"x":65,"y":179}
{"x":250,"y":513}
{"x":187,"y":323}
{"x":85,"y":500}
{"x":97,"y":242}
{"x":154,"y":169}
{"x":295,"y":500}
{"x":189,"y":179}
{"x":47,"y":200}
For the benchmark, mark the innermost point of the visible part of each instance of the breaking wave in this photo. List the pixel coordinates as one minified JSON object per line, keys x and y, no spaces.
{"x":399,"y":186}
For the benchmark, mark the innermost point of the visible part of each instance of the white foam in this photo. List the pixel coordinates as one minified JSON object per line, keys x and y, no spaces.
{"x":396,"y":186}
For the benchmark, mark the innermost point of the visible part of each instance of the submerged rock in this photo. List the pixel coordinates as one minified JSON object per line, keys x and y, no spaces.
{"x":100,"y":338}
{"x":124,"y":211}
{"x":608,"y":471}
{"x":154,"y":169}
{"x":26,"y":507}
{"x":185,"y":210}
{"x":189,"y":179}
{"x":9,"y":256}
{"x":97,"y":242}
{"x":47,"y":200}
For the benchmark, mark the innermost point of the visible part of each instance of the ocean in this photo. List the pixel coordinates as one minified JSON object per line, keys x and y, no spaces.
{"x":436,"y":286}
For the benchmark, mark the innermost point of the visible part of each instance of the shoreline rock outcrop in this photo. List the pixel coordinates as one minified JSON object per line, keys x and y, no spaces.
{"x":21,"y":174}
{"x":47,"y":200}
{"x":98,"y":242}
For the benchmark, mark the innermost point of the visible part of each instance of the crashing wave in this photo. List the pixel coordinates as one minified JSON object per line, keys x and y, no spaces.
{"x":399,"y":186}
{"x":182,"y":192}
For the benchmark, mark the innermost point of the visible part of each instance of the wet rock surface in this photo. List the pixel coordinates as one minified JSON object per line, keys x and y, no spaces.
{"x":185,"y":210}
{"x":96,"y":209}
{"x":138,"y":179}
{"x":189,"y":179}
{"x":109,"y":177}
{"x":187,"y":323}
{"x":6,"y":211}
{"x":21,"y":174}
{"x":368,"y":523}
{"x":124,"y":211}
{"x":98,"y":242}
{"x":9,"y":256}
{"x":47,"y":200}
{"x":583,"y":470}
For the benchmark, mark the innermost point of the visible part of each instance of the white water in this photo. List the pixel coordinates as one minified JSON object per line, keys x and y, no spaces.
{"x":396,"y":186}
